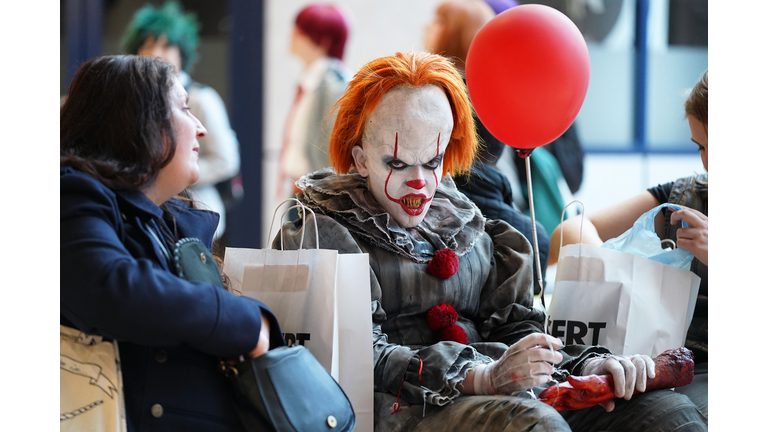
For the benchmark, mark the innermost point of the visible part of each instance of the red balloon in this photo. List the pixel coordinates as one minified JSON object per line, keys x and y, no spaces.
{"x":527,"y":74}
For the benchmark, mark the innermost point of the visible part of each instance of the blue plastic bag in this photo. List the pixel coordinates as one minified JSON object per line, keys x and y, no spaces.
{"x":642,"y":240}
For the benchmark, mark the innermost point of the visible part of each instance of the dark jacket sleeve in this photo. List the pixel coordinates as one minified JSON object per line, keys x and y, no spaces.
{"x":106,"y":290}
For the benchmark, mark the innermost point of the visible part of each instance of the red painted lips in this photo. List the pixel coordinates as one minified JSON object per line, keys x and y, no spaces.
{"x":413,"y":204}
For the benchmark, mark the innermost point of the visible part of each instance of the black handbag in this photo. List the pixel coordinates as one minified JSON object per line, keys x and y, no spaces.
{"x":286,"y":389}
{"x":292,"y":391}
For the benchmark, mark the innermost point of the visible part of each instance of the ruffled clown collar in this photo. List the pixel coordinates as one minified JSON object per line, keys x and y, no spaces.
{"x":453,"y":221}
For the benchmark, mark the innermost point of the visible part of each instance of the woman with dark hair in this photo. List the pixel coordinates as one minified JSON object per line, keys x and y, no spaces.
{"x":129,"y":150}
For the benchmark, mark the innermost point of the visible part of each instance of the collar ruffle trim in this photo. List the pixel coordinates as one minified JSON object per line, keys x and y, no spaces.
{"x":452,"y":221}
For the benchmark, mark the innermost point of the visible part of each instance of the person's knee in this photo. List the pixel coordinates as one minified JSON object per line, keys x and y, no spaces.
{"x":542,"y":416}
{"x":667,"y":411}
{"x":656,"y":411}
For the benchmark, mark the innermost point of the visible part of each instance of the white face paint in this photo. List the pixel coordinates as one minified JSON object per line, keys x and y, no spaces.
{"x":404,"y":142}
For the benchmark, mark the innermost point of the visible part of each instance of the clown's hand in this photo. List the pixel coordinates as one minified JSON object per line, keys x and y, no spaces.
{"x":629,"y":373}
{"x":526,"y":364}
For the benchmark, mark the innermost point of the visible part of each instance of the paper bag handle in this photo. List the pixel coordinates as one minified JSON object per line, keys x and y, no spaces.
{"x":303,"y":225}
{"x":581,"y":226}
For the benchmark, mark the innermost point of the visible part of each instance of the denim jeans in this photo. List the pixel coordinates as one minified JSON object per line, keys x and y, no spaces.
{"x":697,"y":391}
{"x":470,"y":413}
{"x":656,"y":411}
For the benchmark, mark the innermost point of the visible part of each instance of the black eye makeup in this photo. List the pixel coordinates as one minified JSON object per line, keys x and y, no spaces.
{"x":434,"y":163}
{"x":397,"y":164}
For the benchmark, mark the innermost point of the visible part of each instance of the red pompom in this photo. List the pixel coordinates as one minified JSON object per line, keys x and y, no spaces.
{"x":453,"y":333}
{"x":441,"y":316}
{"x":444,"y":264}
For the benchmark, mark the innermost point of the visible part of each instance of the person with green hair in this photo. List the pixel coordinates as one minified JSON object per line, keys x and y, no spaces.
{"x":170,"y":33}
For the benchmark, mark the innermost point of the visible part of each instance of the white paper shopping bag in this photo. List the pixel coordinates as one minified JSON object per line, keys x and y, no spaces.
{"x":353,"y":305}
{"x":299,"y":287}
{"x":90,"y":387}
{"x":323,"y":301}
{"x":632,"y":303}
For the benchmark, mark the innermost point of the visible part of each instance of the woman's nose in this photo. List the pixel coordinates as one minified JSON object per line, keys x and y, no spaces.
{"x":201,"y":130}
{"x":416,"y":184}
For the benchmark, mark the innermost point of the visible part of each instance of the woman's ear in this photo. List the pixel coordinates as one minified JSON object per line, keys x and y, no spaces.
{"x":358,"y":154}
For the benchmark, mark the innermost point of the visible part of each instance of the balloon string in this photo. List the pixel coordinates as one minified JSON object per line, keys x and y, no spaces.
{"x":527,"y":158}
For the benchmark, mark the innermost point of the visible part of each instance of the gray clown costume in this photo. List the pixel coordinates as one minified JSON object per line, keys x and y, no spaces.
{"x":492,"y":292}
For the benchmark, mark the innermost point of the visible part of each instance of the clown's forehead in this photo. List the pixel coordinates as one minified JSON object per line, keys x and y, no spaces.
{"x":416,"y":115}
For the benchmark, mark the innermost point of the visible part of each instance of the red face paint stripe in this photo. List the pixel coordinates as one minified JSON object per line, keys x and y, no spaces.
{"x":412,"y":183}
{"x":435,"y":171}
{"x":386,"y":183}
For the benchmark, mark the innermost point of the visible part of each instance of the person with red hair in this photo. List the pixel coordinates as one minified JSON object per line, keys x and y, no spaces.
{"x":454,"y":325}
{"x":318,"y":39}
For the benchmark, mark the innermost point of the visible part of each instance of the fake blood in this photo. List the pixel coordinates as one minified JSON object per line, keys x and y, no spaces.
{"x":674,"y":368}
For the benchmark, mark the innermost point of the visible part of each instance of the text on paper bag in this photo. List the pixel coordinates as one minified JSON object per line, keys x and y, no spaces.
{"x":292,"y":339}
{"x":576,"y":331}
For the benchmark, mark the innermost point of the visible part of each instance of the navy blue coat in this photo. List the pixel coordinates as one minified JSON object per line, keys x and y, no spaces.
{"x":116,"y":282}
{"x":490,"y":190}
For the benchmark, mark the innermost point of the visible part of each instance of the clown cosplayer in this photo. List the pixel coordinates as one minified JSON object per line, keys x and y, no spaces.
{"x":457,"y":342}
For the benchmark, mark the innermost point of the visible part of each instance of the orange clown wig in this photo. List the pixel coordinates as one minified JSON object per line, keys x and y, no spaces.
{"x":414,"y":69}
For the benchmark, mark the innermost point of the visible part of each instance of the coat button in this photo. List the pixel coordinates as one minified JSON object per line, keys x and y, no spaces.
{"x":157,"y":410}
{"x":202,"y":258}
{"x":331,"y":421}
{"x":161,"y":356}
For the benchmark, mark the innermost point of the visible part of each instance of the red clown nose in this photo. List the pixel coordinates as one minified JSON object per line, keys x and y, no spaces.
{"x":416,"y":184}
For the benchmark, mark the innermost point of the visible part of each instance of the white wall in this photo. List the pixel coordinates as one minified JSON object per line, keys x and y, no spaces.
{"x":609,"y":179}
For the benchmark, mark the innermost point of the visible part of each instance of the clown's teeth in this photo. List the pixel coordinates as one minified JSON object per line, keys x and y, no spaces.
{"x":412,"y":202}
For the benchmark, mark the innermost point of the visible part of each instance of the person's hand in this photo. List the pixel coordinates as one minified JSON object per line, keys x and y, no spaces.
{"x":694,"y":238}
{"x":526,"y":364}
{"x":263,"y":345}
{"x":629,"y":373}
